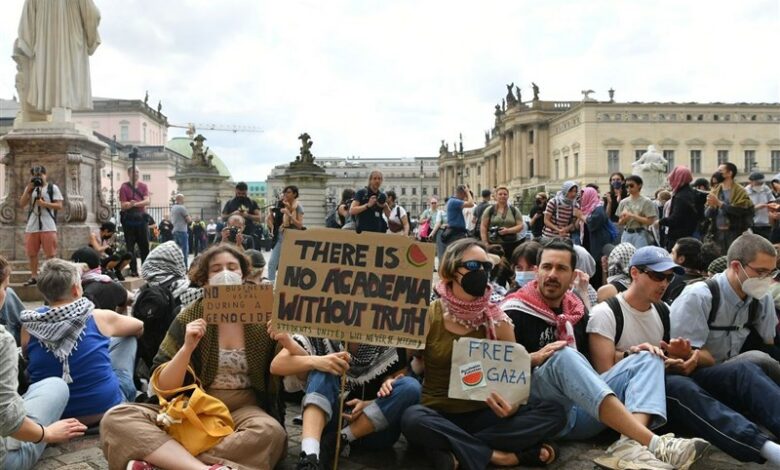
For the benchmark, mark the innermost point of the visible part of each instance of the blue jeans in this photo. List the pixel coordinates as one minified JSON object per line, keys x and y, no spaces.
{"x":44,"y":403}
{"x":568,"y":378}
{"x":273,"y":263}
{"x":122,"y":351}
{"x":183,"y":240}
{"x":322,"y":390}
{"x":638,"y":239}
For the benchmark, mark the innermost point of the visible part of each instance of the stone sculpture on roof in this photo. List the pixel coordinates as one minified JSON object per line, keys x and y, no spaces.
{"x":651,"y":167}
{"x":306,"y":143}
{"x":200,"y":155}
{"x":510,"y":97}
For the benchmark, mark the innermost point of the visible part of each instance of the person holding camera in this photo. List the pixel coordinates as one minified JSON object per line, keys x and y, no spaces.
{"x":369,"y":205}
{"x":134,"y":197}
{"x":502,"y":224}
{"x":287,"y":215}
{"x":112,"y":260}
{"x":245,"y":207}
{"x":181,"y":220}
{"x":233,"y":234}
{"x":45,"y":199}
{"x":456,"y":222}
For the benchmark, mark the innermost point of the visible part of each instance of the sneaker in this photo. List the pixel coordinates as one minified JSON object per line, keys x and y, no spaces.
{"x":140,"y":465}
{"x":628,"y":454}
{"x":682,"y":453}
{"x":119,"y":275}
{"x":308,"y":462}
{"x":31,"y":282}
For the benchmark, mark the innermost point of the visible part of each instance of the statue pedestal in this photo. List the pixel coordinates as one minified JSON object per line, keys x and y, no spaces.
{"x":201,"y":188}
{"x":311,"y":181}
{"x":72,"y":157}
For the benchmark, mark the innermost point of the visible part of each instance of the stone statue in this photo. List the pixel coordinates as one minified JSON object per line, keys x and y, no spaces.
{"x":306,"y":143}
{"x":200,"y":155}
{"x":535,"y":88}
{"x":510,"y":97}
{"x":586,"y":95}
{"x":159,"y":107}
{"x":503,"y":105}
{"x":497,"y":114}
{"x":52,"y":53}
{"x":443,"y":148}
{"x":519,"y":96}
{"x":146,"y":98}
{"x":651,"y":167}
{"x":611,"y":95}
{"x":487,"y":137}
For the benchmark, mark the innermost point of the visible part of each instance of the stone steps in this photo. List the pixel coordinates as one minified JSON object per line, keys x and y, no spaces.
{"x":32,"y":294}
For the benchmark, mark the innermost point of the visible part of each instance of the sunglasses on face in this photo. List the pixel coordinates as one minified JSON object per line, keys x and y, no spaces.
{"x":474,"y":265}
{"x":658,"y":277}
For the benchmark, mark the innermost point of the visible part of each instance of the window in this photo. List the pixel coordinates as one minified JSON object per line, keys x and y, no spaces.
{"x":576,"y":164}
{"x":146,"y":177}
{"x":638,"y":154}
{"x":531,"y":168}
{"x":566,"y":167}
{"x":424,"y":190}
{"x":669,"y":157}
{"x":479,"y":170}
{"x":775,"y":158}
{"x":695,"y":161}
{"x":723,"y":157}
{"x":144,"y":128}
{"x":414,"y":191}
{"x":557,"y":169}
{"x":750,"y":160}
{"x":124,"y":132}
{"x":531,"y":136}
{"x":613,"y":161}
{"x":435,"y":191}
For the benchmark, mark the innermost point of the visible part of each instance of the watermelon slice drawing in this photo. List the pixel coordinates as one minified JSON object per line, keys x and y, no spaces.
{"x":415,"y":256}
{"x":472,"y":375}
{"x":473,"y":378}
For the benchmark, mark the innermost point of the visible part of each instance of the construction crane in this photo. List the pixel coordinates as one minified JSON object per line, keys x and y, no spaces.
{"x":192,"y":128}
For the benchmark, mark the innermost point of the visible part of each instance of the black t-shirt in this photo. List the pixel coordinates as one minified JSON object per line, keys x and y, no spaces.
{"x":106,"y":295}
{"x":534,"y":333}
{"x":538,"y":224}
{"x":370,"y":220}
{"x":166,"y":227}
{"x":478,"y":211}
{"x":249,"y":206}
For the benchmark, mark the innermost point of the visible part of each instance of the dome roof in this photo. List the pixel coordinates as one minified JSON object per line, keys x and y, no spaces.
{"x":182,"y":145}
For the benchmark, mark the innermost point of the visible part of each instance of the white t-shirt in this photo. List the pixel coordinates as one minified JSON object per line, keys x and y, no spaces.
{"x":638,"y":327}
{"x":468,"y":215}
{"x":47,"y":223}
{"x":396,"y":216}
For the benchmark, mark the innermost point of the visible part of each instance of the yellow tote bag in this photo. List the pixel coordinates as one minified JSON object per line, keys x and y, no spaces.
{"x":194,"y":418}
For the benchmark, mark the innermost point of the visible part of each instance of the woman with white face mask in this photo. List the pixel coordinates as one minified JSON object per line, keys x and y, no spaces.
{"x":232,"y":362}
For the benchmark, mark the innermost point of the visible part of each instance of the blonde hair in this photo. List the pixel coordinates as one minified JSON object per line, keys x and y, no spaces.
{"x":501,"y":188}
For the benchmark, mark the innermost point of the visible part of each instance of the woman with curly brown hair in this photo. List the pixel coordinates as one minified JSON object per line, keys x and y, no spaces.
{"x":232,"y":362}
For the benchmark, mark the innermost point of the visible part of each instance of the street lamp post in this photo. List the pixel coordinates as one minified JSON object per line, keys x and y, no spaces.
{"x":111,"y":199}
{"x":422,"y":177}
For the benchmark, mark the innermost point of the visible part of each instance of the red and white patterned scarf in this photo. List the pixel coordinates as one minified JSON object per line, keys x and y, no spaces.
{"x":572,"y":309}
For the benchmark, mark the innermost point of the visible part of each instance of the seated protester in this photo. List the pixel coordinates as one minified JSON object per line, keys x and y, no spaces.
{"x":28,"y":423}
{"x":231,"y":360}
{"x":257,"y":261}
{"x":559,"y":220}
{"x":112,"y":261}
{"x":165,"y":266}
{"x":99,"y":288}
{"x":315,"y":365}
{"x":550,"y":319}
{"x":644,"y":326}
{"x":10,"y":312}
{"x":618,"y":271}
{"x":93,"y":350}
{"x":524,"y":261}
{"x":743,"y":324}
{"x":717,"y":266}
{"x":472,"y":434}
{"x":686,"y":252}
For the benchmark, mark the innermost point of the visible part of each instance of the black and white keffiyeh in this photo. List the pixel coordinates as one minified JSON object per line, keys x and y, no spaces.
{"x":59,"y":329}
{"x":166,"y":264}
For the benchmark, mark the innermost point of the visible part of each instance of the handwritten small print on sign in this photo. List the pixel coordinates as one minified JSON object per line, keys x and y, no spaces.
{"x":369,"y":288}
{"x":238,"y":304}
{"x":482,"y":366}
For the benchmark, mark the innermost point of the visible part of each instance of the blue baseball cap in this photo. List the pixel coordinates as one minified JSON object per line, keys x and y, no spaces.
{"x":655,"y":259}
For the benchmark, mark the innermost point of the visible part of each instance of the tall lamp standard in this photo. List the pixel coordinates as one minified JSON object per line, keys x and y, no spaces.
{"x":422,"y":177}
{"x":111,"y":198}
{"x":460,"y":158}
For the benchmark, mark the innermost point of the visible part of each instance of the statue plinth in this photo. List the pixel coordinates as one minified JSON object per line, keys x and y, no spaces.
{"x":201,"y":186}
{"x":73,"y":160}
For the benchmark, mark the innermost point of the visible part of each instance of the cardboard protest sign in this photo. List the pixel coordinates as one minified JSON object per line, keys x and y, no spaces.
{"x":238,"y":304}
{"x":369,"y":288}
{"x":482,"y":366}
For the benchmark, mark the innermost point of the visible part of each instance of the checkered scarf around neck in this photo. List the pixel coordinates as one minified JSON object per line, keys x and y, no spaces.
{"x":59,"y":329}
{"x":367,"y":364}
{"x":571,"y":306}
{"x":472,"y":313}
{"x":619,"y":264}
{"x":166,"y":263}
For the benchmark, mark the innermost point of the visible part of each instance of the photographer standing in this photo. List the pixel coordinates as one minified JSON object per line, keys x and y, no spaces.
{"x":291,"y":213}
{"x":369,"y":205}
{"x":244,"y":206}
{"x":134,"y":197}
{"x":45,"y":200}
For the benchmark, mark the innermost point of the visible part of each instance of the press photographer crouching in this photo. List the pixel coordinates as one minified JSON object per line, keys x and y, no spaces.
{"x":233,"y":234}
{"x":44,"y":200}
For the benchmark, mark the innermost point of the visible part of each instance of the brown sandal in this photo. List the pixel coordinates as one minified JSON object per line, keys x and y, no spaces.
{"x":530,"y":456}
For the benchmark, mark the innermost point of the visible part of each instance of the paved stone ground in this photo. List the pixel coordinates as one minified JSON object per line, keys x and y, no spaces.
{"x":85,"y":454}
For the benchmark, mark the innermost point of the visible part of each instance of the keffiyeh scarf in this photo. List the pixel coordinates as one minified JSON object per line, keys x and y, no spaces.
{"x":472,"y":313}
{"x":619,"y":264}
{"x":166,"y":264}
{"x":59,"y":329}
{"x":529,"y":300}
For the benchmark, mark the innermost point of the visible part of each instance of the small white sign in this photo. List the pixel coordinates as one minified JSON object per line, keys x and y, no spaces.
{"x":482,"y":366}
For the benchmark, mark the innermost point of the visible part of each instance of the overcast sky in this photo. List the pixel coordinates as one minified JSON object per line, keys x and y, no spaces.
{"x":392,"y":78}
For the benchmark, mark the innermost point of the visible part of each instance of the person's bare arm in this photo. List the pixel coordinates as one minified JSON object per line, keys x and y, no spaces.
{"x":603,"y":354}
{"x":405,"y":222}
{"x":95,"y":244}
{"x":112,"y":324}
{"x":24,"y":199}
{"x":483,"y":229}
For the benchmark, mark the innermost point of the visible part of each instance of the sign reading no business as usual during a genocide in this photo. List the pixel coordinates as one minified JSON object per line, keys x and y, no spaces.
{"x":364,"y":287}
{"x":238,"y":304}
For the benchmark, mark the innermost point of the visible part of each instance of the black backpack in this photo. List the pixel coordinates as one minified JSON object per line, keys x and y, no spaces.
{"x":156,"y":306}
{"x":663,"y":311}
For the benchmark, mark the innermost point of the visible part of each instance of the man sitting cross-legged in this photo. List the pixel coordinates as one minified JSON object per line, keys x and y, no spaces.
{"x":547,"y":318}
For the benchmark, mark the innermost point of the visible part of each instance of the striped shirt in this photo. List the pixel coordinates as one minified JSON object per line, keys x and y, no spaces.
{"x":561,"y":216}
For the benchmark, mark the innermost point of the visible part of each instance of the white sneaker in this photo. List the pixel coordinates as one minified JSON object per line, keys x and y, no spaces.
{"x":628,"y":454}
{"x":682,"y":453}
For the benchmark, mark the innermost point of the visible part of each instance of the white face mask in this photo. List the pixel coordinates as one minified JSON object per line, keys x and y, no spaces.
{"x":524,"y":277}
{"x":755,"y":287}
{"x":225,"y":278}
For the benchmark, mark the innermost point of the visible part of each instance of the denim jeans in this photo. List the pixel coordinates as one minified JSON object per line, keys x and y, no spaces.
{"x":638,"y":239}
{"x":322,"y":391}
{"x":273,"y":263}
{"x":183,"y":240}
{"x":44,"y":403}
{"x":122,"y":352}
{"x":568,"y":378}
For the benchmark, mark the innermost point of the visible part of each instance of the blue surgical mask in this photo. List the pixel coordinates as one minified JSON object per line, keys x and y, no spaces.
{"x":524,"y":277}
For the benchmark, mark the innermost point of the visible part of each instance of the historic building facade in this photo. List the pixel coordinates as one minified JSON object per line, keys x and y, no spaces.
{"x":539,"y":144}
{"x":413,"y":179}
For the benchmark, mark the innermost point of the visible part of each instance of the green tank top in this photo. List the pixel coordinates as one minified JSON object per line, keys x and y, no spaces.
{"x":438,"y":363}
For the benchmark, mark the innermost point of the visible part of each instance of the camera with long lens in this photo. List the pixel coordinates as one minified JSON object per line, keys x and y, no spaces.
{"x":37,"y":179}
{"x":494,"y":231}
{"x":381,"y":198}
{"x":232,"y":234}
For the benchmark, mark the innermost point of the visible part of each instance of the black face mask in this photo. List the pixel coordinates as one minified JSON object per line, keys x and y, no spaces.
{"x":474,"y":283}
{"x":718,"y":177}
